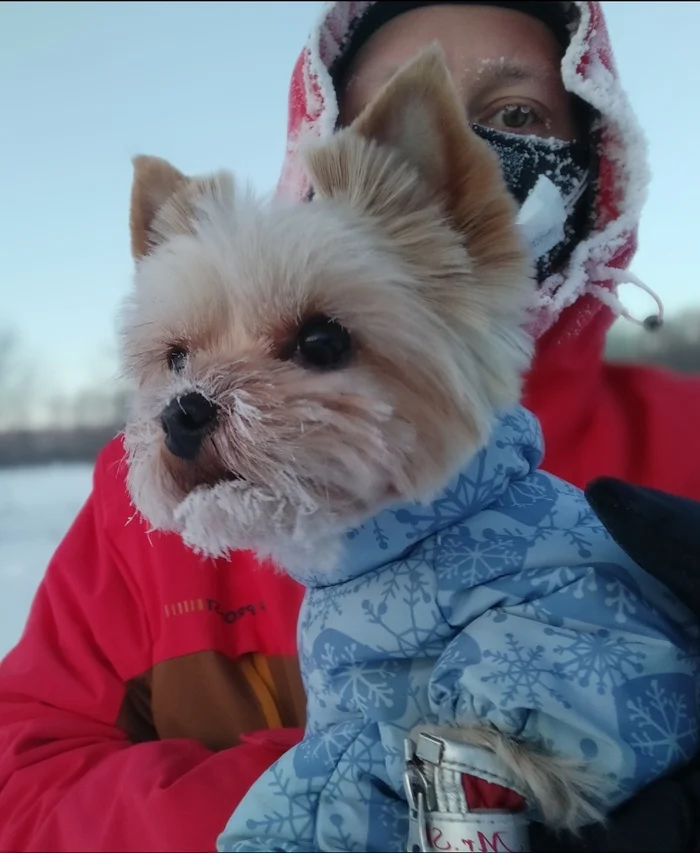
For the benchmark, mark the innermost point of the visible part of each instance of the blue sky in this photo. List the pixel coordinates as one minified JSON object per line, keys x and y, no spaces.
{"x":85,"y":85}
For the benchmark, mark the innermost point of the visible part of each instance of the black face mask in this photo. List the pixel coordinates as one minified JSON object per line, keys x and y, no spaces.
{"x":524,"y":159}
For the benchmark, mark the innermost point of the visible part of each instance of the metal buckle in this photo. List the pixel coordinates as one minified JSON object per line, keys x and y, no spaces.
{"x":420,"y":792}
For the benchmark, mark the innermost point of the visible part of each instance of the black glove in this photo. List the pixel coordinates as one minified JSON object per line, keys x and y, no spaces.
{"x":660,"y":532}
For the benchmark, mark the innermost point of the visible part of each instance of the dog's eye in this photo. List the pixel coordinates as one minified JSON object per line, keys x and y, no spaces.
{"x":323,"y":343}
{"x":177,"y":359}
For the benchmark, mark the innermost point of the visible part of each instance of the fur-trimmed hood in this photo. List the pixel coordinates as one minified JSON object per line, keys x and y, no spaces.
{"x":588,"y":70}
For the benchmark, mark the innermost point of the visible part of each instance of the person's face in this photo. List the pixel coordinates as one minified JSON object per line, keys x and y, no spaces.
{"x":505,"y":64}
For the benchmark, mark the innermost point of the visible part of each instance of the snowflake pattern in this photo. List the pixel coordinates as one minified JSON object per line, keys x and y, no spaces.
{"x":579,"y":532}
{"x":606,"y":659}
{"x":523,"y":673}
{"x":293,"y":817}
{"x":622,"y":599}
{"x":658,"y":718}
{"x":464,"y":561}
{"x":502,"y":602}
{"x":362,"y":685}
{"x":319,"y":754}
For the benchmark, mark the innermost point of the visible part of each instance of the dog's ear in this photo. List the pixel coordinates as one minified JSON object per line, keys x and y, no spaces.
{"x":419,"y":115}
{"x":154,"y":183}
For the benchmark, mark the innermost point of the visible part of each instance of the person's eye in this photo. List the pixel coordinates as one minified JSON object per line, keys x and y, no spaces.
{"x":515,"y":118}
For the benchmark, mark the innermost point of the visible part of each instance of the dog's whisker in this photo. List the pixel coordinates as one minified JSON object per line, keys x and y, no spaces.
{"x":340,"y":351}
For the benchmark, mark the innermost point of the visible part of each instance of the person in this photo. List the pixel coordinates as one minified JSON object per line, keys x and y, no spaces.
{"x":150,"y":687}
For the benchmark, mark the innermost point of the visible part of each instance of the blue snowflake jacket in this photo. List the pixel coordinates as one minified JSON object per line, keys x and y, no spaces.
{"x":502,"y":602}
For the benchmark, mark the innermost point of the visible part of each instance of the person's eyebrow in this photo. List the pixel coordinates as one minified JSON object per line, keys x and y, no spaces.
{"x":494,"y":75}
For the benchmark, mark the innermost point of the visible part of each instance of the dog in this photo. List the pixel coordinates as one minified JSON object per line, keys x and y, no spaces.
{"x":298,"y":350}
{"x":316,"y":382}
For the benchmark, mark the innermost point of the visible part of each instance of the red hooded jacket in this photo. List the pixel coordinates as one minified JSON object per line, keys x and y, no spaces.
{"x":127,"y":706}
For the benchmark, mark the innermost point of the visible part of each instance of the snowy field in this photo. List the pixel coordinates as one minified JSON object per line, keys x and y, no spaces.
{"x":37,"y":505}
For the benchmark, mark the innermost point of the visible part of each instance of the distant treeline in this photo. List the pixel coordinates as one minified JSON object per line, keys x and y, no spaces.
{"x":676,"y":346}
{"x":41,"y":447}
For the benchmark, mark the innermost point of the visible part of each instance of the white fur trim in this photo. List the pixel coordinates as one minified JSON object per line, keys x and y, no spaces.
{"x":623,"y":141}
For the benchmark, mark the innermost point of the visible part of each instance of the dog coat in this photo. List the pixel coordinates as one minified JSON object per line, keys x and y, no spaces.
{"x":503,"y":602}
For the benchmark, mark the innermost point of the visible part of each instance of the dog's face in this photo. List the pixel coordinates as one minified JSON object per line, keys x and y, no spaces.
{"x":298,"y":367}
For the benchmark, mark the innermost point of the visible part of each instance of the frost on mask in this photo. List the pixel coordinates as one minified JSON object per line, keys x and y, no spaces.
{"x":526,"y":159}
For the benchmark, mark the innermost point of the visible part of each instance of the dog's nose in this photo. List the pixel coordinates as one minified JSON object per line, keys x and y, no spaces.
{"x":186,"y":421}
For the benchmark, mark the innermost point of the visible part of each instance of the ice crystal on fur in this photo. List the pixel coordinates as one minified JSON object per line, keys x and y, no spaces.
{"x":409,"y":244}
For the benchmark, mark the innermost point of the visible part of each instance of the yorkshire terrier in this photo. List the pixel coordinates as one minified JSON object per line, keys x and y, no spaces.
{"x":306,"y":369}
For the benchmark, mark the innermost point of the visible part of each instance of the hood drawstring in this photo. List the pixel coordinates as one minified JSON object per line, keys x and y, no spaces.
{"x":651,"y":323}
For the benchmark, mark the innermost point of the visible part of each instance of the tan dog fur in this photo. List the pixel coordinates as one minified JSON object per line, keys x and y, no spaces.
{"x":410,"y":243}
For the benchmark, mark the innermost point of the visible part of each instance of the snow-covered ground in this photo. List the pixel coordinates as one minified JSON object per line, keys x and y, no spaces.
{"x":37,"y":506}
